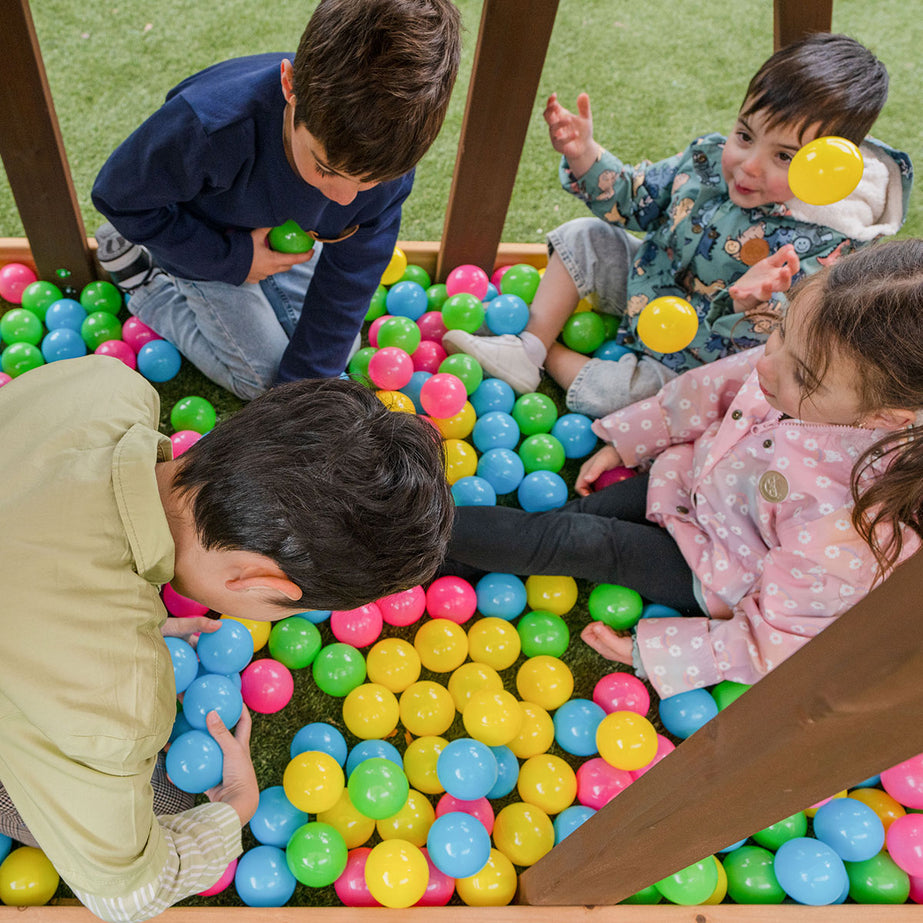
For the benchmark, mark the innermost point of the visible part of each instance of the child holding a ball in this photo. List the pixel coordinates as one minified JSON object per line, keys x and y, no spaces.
{"x":721,"y":228}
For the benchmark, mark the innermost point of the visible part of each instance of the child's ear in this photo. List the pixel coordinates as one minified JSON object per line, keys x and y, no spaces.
{"x":288,"y":87}
{"x":891,"y":418}
{"x":272,"y":583}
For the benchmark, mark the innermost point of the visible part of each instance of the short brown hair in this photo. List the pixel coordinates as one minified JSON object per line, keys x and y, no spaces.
{"x":372,"y":81}
{"x":825,"y":79}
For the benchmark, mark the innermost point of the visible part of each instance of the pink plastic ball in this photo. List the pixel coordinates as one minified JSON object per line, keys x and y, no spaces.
{"x":613,"y":476}
{"x":904,"y":782}
{"x":358,"y":627}
{"x":183,"y":439}
{"x":403,"y":608}
{"x":622,"y":692}
{"x":222,"y":882}
{"x":481,"y":809}
{"x":428,"y":356}
{"x":467,"y":278}
{"x":916,"y":889}
{"x":432,"y":326}
{"x":350,"y":887}
{"x":14,"y":277}
{"x":373,"y":329}
{"x":439,"y":889}
{"x":904,"y":840}
{"x":181,"y":606}
{"x":5,"y":379}
{"x":598,"y":782}
{"x":119,"y":350}
{"x":266,"y":686}
{"x":443,"y":395}
{"x":451,"y":598}
{"x":136,"y":333}
{"x":390,"y":368}
{"x":498,"y":274}
{"x":664,"y":746}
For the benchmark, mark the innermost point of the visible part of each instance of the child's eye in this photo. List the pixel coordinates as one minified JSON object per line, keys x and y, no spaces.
{"x":321,"y":172}
{"x":744,"y":136}
{"x":785,"y":157}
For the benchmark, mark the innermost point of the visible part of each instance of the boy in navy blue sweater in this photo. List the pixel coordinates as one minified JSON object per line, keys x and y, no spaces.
{"x":329,"y":140}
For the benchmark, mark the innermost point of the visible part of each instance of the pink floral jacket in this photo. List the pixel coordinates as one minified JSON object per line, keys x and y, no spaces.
{"x":760,"y":507}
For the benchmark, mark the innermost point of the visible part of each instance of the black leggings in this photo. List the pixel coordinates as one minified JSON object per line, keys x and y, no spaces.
{"x":603,"y":538}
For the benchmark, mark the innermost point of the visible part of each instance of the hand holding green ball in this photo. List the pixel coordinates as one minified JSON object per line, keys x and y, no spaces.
{"x":290,"y":238}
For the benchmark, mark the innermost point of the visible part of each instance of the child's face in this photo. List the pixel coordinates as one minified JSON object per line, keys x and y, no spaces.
{"x":756,"y":159}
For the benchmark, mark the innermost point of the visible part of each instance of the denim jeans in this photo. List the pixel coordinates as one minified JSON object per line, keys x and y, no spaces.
{"x":234,"y":334}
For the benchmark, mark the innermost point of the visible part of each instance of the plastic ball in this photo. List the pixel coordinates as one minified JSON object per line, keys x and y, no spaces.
{"x":502,"y":469}
{"x":181,"y":606}
{"x":825,"y":170}
{"x":427,"y":709}
{"x":463,"y":312}
{"x":316,"y":854}
{"x":99,"y":327}
{"x":569,"y":820}
{"x":19,"y":358}
{"x":493,"y":886}
{"x":64,"y":343}
{"x":338,"y":669}
{"x":520,"y":279}
{"x":27,"y":878}
{"x":420,"y":760}
{"x":289,"y":237}
{"x":358,"y":627}
{"x":195,"y":762}
{"x":691,"y":885}
{"x":452,"y":598}
{"x":39,"y":296}
{"x":810,"y":872}
{"x":727,"y":691}
{"x":377,"y":304}
{"x":773,"y":836}
{"x":313,"y":781}
{"x":406,"y":299}
{"x":598,"y":782}
{"x":212,"y":692}
{"x":621,"y":692}
{"x":267,"y":686}
{"x":667,"y":324}
{"x":223,"y":883}
{"x":20,"y":326}
{"x":416,"y":273}
{"x":370,"y":711}
{"x":574,"y":432}
{"x":685,"y":713}
{"x":136,"y":333}
{"x":396,"y":873}
{"x":432,"y":327}
{"x":443,"y":395}
{"x":439,"y":888}
{"x":466,"y":368}
{"x":159,"y":361}
{"x":390,"y":368}
{"x":259,"y":631}
{"x":263,"y":878}
{"x":427,"y":357}
{"x":535,"y":413}
{"x":575,"y":726}
{"x":441,"y":644}
{"x":541,"y":490}
{"x":751,"y":877}
{"x":852,"y":829}
{"x":322,"y":737}
{"x":583,"y":332}
{"x":65,"y":312}
{"x":411,"y":822}
{"x":507,"y":314}
{"x":467,"y":278}
{"x":904,"y":782}
{"x":492,"y":717}
{"x":879,"y":880}
{"x":547,"y":782}
{"x":523,"y":833}
{"x":227,"y":650}
{"x":101,"y":296}
{"x":396,"y":267}
{"x":378,"y":787}
{"x":626,"y":740}
{"x":495,"y":642}
{"x":404,"y":607}
{"x":507,"y":771}
{"x":358,"y":365}
{"x":501,"y":595}
{"x":469,"y":680}
{"x":118,"y":350}
{"x":396,"y":401}
{"x":886,"y":807}
{"x":185,"y":662}
{"x":473,"y":490}
{"x":467,"y":769}
{"x":477,"y":807}
{"x":493,"y":394}
{"x":555,"y":594}
{"x":4,"y":379}
{"x":294,"y":642}
{"x":459,"y":426}
{"x":542,"y":452}
{"x":393,"y":663}
{"x":495,"y":430}
{"x":276,"y":818}
{"x":399,"y":331}
{"x":194,"y":413}
{"x":543,"y":633}
{"x":905,"y":843}
{"x":460,"y":460}
{"x":350,"y":887}
{"x":372,"y":749}
{"x":665,"y":746}
{"x":617,"y":606}
{"x":613,"y":476}
{"x":458,"y":844}
{"x":14,"y":279}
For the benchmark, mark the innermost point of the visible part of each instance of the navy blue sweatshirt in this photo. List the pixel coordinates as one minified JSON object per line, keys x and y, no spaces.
{"x":209,"y":166}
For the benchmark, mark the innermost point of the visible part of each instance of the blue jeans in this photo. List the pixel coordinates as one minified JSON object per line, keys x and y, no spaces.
{"x":234,"y":334}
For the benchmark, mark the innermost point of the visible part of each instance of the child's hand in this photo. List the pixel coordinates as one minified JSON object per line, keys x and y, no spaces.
{"x":189,"y":629}
{"x":238,"y":786}
{"x":593,"y":467}
{"x":606,"y":642}
{"x":572,"y":135}
{"x":266,"y":261}
{"x":760,"y":281}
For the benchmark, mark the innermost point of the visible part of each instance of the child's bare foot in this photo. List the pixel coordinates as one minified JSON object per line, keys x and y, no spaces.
{"x":607,"y":643}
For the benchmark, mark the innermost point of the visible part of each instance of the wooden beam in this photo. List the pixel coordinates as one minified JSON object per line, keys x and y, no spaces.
{"x":846,"y":706}
{"x":794,"y":19}
{"x":33,"y":153}
{"x":512,"y":42}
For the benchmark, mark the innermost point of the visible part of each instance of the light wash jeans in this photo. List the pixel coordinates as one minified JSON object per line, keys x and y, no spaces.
{"x":234,"y":334}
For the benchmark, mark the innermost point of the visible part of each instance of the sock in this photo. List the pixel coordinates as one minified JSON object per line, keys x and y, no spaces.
{"x":534,"y":347}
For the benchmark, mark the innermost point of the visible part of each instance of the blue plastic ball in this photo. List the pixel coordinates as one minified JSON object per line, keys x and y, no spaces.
{"x":507,"y":772}
{"x":63,"y":343}
{"x":276,"y":818}
{"x":195,"y":762}
{"x":159,"y":360}
{"x":495,"y":430}
{"x":185,"y":662}
{"x":212,"y":692}
{"x":507,"y":314}
{"x":407,"y":299}
{"x":502,"y":596}
{"x":413,"y":387}
{"x":180,"y":725}
{"x":503,"y":468}
{"x":65,"y":312}
{"x":611,"y":350}
{"x":575,"y":724}
{"x":263,"y":878}
{"x":315,"y":615}
{"x":575,"y":432}
{"x":227,"y":650}
{"x":372,"y":749}
{"x":5,"y":845}
{"x":685,"y":713}
{"x":320,"y":736}
{"x":810,"y":872}
{"x":542,"y":490}
{"x":569,"y":820}
{"x":658,"y":611}
{"x":474,"y":491}
{"x":458,"y":844}
{"x":850,"y":828}
{"x":491,"y":292}
{"x":493,"y":394}
{"x":467,"y":769}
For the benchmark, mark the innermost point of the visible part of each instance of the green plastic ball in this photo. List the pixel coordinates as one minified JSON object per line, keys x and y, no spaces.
{"x":101,"y":296}
{"x":377,"y":306}
{"x":542,"y":632}
{"x":521,"y":279}
{"x":463,"y":311}
{"x":338,"y":668}
{"x":21,"y":326}
{"x":378,"y":788}
{"x":878,"y":880}
{"x":316,"y":854}
{"x":610,"y":325}
{"x":19,"y":358}
{"x":584,"y":332}
{"x":467,"y":368}
{"x":691,"y":885}
{"x":290,"y":238}
{"x":295,"y":642}
{"x":619,"y":607}
{"x":418,"y":274}
{"x":358,"y":367}
{"x":648,"y":895}
{"x":534,"y":413}
{"x":99,"y":327}
{"x":37,"y":296}
{"x":751,"y":878}
{"x":193,"y":413}
{"x":728,"y":691}
{"x":542,"y":452}
{"x":401,"y":332}
{"x":436,"y":296}
{"x":773,"y":836}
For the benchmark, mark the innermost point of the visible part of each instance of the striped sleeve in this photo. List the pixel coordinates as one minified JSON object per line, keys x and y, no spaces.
{"x":201,"y":844}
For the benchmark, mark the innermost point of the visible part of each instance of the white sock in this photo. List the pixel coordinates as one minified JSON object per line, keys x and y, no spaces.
{"x":534,"y":347}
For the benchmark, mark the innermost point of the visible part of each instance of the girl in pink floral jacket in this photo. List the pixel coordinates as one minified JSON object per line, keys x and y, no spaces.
{"x":783,"y":483}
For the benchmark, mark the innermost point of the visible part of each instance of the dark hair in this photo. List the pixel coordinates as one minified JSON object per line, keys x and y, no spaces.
{"x":869,"y":310}
{"x":349,"y":498}
{"x":825,"y":79}
{"x":372,"y":81}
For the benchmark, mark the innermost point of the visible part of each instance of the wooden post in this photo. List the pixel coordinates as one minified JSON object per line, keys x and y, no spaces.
{"x":794,"y":19}
{"x":33,"y":153}
{"x":512,"y":41}
{"x":846,"y":706}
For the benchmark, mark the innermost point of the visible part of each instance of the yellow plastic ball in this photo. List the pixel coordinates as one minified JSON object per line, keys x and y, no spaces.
{"x":461,"y":460}
{"x":395,"y":400}
{"x":354,"y":826}
{"x":470,"y":678}
{"x":553,"y":594}
{"x":825,"y":170}
{"x":548,"y":782}
{"x":667,"y":324}
{"x":411,"y":823}
{"x":426,"y":708}
{"x":546,"y":681}
{"x":721,"y":889}
{"x":493,"y":716}
{"x":371,"y":711}
{"x":393,"y":663}
{"x":396,"y":873}
{"x":537,"y":733}
{"x":494,"y":886}
{"x":459,"y":426}
{"x":441,"y":644}
{"x":395,"y":268}
{"x":626,"y":740}
{"x":523,"y":833}
{"x":259,"y":631}
{"x":887,"y":808}
{"x":420,"y":760}
{"x":27,"y":878}
{"x":494,"y":641}
{"x":313,"y":781}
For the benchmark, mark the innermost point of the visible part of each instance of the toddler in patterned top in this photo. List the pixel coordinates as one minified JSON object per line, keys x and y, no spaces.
{"x":781,"y":484}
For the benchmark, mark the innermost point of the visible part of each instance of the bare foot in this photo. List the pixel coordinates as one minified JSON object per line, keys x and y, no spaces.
{"x":606,"y":642}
